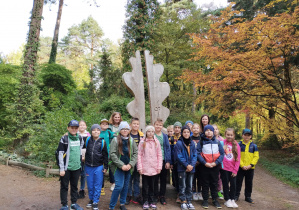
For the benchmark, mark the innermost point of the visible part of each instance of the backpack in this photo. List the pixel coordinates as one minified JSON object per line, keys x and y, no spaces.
{"x":102,"y":145}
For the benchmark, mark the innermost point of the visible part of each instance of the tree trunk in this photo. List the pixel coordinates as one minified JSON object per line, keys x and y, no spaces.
{"x":194,"y":98}
{"x":247,"y":120}
{"x":56,"y":33}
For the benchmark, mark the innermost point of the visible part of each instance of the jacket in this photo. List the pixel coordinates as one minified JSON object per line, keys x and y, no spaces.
{"x":183,"y":157}
{"x":107,"y":135}
{"x":64,"y":152}
{"x":229,"y":163}
{"x":96,"y":155}
{"x":249,"y":154}
{"x":172,"y":142}
{"x":166,"y":147}
{"x":114,"y":156}
{"x":209,"y":150}
{"x":149,"y":158}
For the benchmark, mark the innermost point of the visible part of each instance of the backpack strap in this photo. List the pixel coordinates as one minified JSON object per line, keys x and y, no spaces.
{"x":102,"y":145}
{"x":87,"y":141}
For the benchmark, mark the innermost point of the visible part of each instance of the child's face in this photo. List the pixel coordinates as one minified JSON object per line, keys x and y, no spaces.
{"x":104,"y":126}
{"x":135,"y":125}
{"x":205,"y":120}
{"x":82,"y":127}
{"x":189,"y":125}
{"x":170,"y":132}
{"x":177,"y":130}
{"x":229,"y":135}
{"x":246,"y":137}
{"x":209,"y":134}
{"x":116,"y":119}
{"x":195,"y":129}
{"x":186,"y":133}
{"x":150,"y":134}
{"x":95,"y":133}
{"x":73,"y":130}
{"x":216,"y":131}
{"x":124,"y":132}
{"x":158,"y":126}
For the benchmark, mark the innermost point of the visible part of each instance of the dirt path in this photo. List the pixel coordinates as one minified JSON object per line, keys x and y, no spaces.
{"x":20,"y":190}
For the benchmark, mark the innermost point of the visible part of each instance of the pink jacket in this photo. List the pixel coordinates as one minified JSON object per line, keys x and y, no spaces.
{"x":229,"y":163}
{"x":149,"y":157}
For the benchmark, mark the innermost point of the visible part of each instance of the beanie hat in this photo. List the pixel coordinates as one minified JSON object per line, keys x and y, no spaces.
{"x":184,"y":128}
{"x":208,"y":127}
{"x":94,"y":126}
{"x":177,"y":124}
{"x":123,"y":125}
{"x":189,"y":121}
{"x":247,"y":130}
{"x":148,"y":128}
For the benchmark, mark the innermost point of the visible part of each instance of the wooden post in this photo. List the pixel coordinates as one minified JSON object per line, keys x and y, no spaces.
{"x":49,"y":167}
{"x":7,"y":161}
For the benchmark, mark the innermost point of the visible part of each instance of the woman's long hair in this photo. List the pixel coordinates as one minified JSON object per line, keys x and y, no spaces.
{"x":201,"y":125}
{"x":111,"y":120}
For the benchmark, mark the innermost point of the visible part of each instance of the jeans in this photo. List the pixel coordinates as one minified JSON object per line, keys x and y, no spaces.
{"x":111,"y":177}
{"x":185,"y":185}
{"x":82,"y":180}
{"x":248,"y":181}
{"x":94,"y":177}
{"x":148,"y":188}
{"x":71,"y":177}
{"x":122,"y":179}
{"x":135,"y":179}
{"x":227,"y":179}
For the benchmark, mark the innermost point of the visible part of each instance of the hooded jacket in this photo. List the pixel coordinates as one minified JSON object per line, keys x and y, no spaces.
{"x":249,"y":154}
{"x":96,"y":155}
{"x":185,"y":156}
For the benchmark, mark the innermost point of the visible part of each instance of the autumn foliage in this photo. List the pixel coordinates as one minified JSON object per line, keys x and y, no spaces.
{"x":253,"y":66}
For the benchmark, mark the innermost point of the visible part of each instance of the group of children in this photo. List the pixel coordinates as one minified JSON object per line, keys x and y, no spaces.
{"x":200,"y":160}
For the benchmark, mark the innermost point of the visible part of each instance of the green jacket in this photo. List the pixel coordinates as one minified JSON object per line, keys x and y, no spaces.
{"x":114,"y":156}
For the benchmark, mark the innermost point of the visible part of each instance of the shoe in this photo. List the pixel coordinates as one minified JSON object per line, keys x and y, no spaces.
{"x":95,"y":206}
{"x":128,"y":200}
{"x":217,"y":204}
{"x":234,"y":204}
{"x":66,"y":207}
{"x":249,"y":200}
{"x":195,"y":196}
{"x":178,"y":200}
{"x":137,"y":200}
{"x":76,"y":207}
{"x":81,"y":194}
{"x":190,"y":205}
{"x":123,"y":207}
{"x":112,"y":187}
{"x":153,"y":206}
{"x":200,"y":198}
{"x":220,"y":196}
{"x":228,"y":203}
{"x":89,"y":205}
{"x":145,"y":205}
{"x":236,"y":198}
{"x":205,"y":204}
{"x":184,"y":206}
{"x":162,"y":200}
{"x":103,"y":191}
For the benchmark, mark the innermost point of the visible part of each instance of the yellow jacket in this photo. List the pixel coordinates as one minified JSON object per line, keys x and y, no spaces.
{"x":249,"y":154}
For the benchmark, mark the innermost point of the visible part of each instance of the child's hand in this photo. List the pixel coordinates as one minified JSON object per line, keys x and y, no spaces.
{"x":104,"y":171}
{"x":140,"y":172}
{"x":244,"y":168}
{"x":129,"y":167}
{"x":124,"y":168}
{"x":189,"y":168}
{"x":62,"y":173}
{"x":208,"y":165}
{"x":249,"y":167}
{"x":234,"y":175}
{"x":167,"y":165}
{"x":213,"y":164}
{"x":158,"y":171}
{"x":171,"y":167}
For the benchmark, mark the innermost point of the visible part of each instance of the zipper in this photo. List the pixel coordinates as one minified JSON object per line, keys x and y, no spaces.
{"x":212,"y":152}
{"x":92,"y":153}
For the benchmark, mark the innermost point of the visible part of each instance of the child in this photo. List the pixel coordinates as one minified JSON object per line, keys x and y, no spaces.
{"x":166,"y":159}
{"x":249,"y":158}
{"x":96,"y":164}
{"x":196,"y":179}
{"x":170,"y":131}
{"x":136,"y":134}
{"x":204,"y":120}
{"x":149,"y":165}
{"x":186,"y":158}
{"x":69,"y":159}
{"x":210,"y":155}
{"x":189,"y":123}
{"x":84,"y":133}
{"x":217,"y":136}
{"x":107,"y":135}
{"x":114,"y":122}
{"x":122,"y":159}
{"x":172,"y":141}
{"x":231,"y":163}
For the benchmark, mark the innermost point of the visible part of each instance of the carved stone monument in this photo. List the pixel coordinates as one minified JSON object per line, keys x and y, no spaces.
{"x":157,"y":91}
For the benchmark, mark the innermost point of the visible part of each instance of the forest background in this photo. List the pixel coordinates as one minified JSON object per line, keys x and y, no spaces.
{"x":239,"y":65}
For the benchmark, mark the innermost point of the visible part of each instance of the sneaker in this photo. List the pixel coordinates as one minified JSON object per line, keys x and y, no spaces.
{"x":178,"y":200}
{"x":184,"y":206}
{"x":162,"y":200}
{"x":137,"y":200}
{"x":216,"y":204}
{"x":220,"y":196}
{"x":81,"y":194}
{"x":145,"y":205}
{"x":112,"y":187}
{"x":76,"y":207}
{"x":66,"y":207}
{"x":153,"y":206}
{"x":89,"y":205}
{"x":195,"y":196}
{"x":190,"y":205}
{"x":128,"y":200}
{"x":123,"y":207}
{"x":205,"y":204}
{"x":228,"y":203}
{"x":103,"y":191}
{"x":200,"y":198}
{"x":234,"y":204}
{"x":249,"y":200}
{"x":95,"y":206}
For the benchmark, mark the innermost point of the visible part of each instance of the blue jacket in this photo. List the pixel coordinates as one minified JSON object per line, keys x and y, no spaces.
{"x":166,"y":147}
{"x":182,"y":156}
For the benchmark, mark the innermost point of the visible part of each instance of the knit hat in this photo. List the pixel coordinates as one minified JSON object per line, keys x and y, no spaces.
{"x":189,"y":121}
{"x":94,"y":126}
{"x":123,"y":125}
{"x":208,"y":127}
{"x":148,"y":128}
{"x":177,"y":124}
{"x":247,"y":131}
{"x":74,"y":123}
{"x":185,"y":127}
